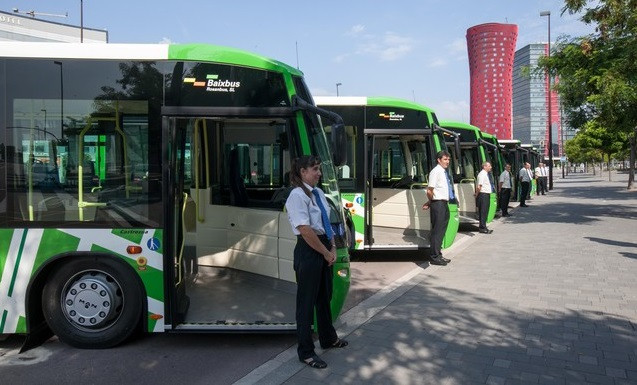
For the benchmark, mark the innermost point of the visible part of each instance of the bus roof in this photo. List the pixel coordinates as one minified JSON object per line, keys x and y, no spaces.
{"x":459,"y":125}
{"x":186,"y":52}
{"x":379,"y":101}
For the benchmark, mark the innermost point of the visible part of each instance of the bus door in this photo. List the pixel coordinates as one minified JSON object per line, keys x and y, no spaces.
{"x":397,"y":168}
{"x":469,"y":158}
{"x":225,"y":224}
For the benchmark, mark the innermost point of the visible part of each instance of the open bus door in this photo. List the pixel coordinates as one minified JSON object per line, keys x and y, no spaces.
{"x":396,"y":168}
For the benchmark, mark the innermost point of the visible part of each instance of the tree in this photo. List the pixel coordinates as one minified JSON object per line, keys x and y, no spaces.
{"x":598,"y":72}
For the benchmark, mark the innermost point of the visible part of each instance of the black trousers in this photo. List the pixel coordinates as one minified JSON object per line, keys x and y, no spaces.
{"x":482,"y":203}
{"x":505,"y":198}
{"x":524,"y":191}
{"x":541,"y":185}
{"x":439,"y":221}
{"x":545,"y":184}
{"x":313,"y":290}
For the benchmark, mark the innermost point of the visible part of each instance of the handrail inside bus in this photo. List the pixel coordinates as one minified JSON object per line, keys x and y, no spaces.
{"x":81,"y":204}
{"x":201,"y":218}
{"x":180,"y":257}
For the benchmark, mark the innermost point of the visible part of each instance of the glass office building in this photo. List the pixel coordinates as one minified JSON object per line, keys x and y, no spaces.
{"x":530,"y":98}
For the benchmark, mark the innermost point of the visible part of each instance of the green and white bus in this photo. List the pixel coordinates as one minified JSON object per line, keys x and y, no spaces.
{"x":392,"y":149}
{"x":473,"y":152}
{"x":142,"y":188}
{"x":512,"y":152}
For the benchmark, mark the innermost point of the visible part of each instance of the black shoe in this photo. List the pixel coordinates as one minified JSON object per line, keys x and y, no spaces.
{"x":437,"y":261}
{"x":524,"y":205}
{"x":485,"y":231}
{"x":447,"y":260}
{"x":339,"y":343}
{"x":314,"y":362}
{"x":506,"y":215}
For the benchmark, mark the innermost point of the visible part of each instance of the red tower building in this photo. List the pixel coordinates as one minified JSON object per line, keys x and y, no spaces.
{"x":491,"y":49}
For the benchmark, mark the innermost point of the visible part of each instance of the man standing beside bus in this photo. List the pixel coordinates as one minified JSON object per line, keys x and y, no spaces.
{"x":505,"y":187}
{"x":484,"y":188}
{"x":439,"y":192}
{"x":525,"y":175}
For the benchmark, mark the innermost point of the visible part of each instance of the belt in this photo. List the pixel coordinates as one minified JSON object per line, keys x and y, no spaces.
{"x":439,"y":200}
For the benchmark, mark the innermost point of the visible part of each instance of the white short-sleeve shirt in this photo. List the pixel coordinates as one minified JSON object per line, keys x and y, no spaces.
{"x":438,"y":181}
{"x":302,"y":210}
{"x":505,"y":179}
{"x":483,"y":179}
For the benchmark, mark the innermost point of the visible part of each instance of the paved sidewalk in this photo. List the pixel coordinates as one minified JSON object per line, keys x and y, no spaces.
{"x":549,"y":298}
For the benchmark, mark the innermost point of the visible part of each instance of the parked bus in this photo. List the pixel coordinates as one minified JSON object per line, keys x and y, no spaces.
{"x":393,"y":146}
{"x":494,"y":151}
{"x":473,"y":152}
{"x":143,"y":189}
{"x":512,"y":153}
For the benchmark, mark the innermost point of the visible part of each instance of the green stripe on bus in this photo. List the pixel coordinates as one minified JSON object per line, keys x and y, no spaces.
{"x":152,"y":278}
{"x":5,"y":242}
{"x":3,"y":320}
{"x":17,"y":262}
{"x":54,"y":242}
{"x":22,"y":325}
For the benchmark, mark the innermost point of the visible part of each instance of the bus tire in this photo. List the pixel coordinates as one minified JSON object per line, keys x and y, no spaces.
{"x":93,"y":302}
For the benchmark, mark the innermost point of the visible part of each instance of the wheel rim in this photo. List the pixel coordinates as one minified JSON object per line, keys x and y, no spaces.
{"x":92,"y":300}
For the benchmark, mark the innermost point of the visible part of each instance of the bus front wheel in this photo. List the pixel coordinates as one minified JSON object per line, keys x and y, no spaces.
{"x":93,"y":302}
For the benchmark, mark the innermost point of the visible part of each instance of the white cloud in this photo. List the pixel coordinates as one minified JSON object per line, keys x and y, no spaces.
{"x":437,"y":62}
{"x":166,"y":40}
{"x":356,"y":30}
{"x":389,"y":48}
{"x":458,"y":45}
{"x":452,"y":110}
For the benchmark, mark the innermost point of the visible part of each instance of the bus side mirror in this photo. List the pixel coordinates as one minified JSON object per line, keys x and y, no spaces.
{"x":339,"y":144}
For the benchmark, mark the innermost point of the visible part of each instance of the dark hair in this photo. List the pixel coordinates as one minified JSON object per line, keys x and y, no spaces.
{"x":441,"y":154}
{"x":305,"y":161}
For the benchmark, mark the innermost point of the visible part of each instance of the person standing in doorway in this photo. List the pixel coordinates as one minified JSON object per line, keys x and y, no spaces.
{"x":525,"y":176}
{"x":484,"y":188}
{"x":314,"y":255}
{"x":504,"y":189}
{"x":439,"y":192}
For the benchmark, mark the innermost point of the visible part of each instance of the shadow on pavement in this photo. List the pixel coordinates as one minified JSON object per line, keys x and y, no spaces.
{"x":436,"y":334}
{"x":611,"y":242}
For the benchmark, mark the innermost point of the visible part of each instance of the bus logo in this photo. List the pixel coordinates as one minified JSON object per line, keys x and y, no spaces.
{"x":214,"y":84}
{"x":153,"y":244}
{"x":392,"y":116}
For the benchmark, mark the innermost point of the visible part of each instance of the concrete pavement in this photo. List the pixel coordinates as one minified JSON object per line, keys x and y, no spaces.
{"x":549,"y":298}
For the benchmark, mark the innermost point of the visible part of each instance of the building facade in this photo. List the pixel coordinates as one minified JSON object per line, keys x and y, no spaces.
{"x":15,"y":27}
{"x":491,"y":50}
{"x":530,"y":101}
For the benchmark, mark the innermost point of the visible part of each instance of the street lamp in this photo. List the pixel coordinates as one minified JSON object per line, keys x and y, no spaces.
{"x":81,"y":21}
{"x":338,"y":84}
{"x":548,"y":75}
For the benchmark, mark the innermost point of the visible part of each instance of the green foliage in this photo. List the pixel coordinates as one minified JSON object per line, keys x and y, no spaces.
{"x":598,"y":80}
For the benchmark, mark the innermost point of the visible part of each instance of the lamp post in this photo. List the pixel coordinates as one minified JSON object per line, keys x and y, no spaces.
{"x":548,"y":75}
{"x":81,"y":21}
{"x":338,"y":84}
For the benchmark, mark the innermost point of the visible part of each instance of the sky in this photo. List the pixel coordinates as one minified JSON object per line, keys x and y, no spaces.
{"x":414,"y":50}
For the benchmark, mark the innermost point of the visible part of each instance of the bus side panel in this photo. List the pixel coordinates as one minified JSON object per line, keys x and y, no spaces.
{"x":357,"y":210}
{"x":28,"y":249}
{"x":452,"y":226}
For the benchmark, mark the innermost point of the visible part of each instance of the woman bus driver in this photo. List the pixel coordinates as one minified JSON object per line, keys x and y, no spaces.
{"x":314,"y":255}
